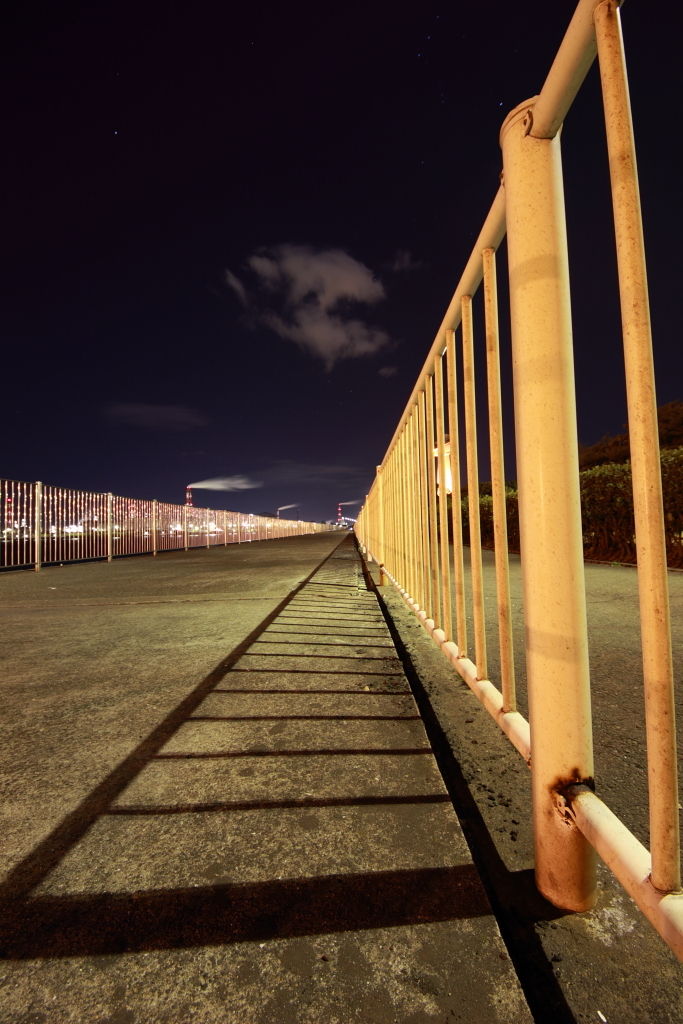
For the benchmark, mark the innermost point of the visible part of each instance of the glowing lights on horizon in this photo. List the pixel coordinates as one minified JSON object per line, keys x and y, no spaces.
{"x":81,"y":525}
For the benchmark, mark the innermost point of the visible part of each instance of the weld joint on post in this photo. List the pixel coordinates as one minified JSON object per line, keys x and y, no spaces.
{"x":565,"y":793}
{"x":664,"y":892}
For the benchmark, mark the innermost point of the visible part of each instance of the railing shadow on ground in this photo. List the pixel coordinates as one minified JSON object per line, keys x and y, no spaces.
{"x":515,"y":900}
{"x":45,"y":925}
{"x":109,"y":923}
{"x":35,"y":925}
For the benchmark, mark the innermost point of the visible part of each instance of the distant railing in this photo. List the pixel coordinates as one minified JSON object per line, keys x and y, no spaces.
{"x":43,"y":525}
{"x":406,"y":524}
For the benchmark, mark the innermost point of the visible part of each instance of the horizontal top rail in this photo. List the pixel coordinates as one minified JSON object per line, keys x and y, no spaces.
{"x":404,"y":524}
{"x":570,"y":67}
{"x":572,"y":63}
{"x":490,"y":237}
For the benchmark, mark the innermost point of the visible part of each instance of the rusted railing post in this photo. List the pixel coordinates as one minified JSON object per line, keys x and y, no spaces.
{"x":549,"y":506}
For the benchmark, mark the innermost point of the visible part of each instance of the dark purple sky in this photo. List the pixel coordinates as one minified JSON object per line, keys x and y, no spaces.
{"x":338,"y":160}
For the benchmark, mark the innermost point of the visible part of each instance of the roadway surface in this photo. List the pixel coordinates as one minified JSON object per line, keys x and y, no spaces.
{"x":220,"y":803}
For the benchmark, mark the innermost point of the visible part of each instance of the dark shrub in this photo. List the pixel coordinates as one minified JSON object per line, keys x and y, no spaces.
{"x":606,"y":510}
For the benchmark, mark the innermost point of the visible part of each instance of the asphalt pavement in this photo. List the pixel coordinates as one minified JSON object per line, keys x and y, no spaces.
{"x":220,"y":803}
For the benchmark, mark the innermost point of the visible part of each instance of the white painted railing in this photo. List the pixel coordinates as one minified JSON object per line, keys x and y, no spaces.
{"x":405,"y":524}
{"x":42,"y":525}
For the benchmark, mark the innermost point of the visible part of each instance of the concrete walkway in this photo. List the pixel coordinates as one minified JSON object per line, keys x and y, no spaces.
{"x":221,"y":804}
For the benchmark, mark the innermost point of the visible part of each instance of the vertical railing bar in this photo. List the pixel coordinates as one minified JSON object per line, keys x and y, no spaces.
{"x":388,"y":531}
{"x":412,"y":477}
{"x":373,"y":522}
{"x":407,"y":497}
{"x":456,"y":500}
{"x":447,"y":618}
{"x":47,"y":519}
{"x":425,"y":603}
{"x":431,"y":483}
{"x":400,"y":496}
{"x":507,"y":659}
{"x":412,"y":522}
{"x":388,"y":522}
{"x":48,"y":548}
{"x":378,"y":514}
{"x":384,"y":491}
{"x":660,"y":710}
{"x":9,"y":516}
{"x":473,"y":489}
{"x":37,"y":523}
{"x":110,"y":527}
{"x":17,"y":513}
{"x":392,"y":516}
{"x":419,"y":520}
{"x":396,"y":500}
{"x":395,"y":514}
{"x":552,"y":563}
{"x":424,"y":508}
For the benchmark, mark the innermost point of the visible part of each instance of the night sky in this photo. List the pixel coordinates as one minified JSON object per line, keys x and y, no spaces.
{"x":231,"y":230}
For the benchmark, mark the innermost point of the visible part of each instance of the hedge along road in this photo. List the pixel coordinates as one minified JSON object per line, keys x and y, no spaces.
{"x":606,"y":511}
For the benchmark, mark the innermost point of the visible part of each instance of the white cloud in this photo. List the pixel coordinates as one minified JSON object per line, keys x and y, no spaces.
{"x":388,"y":371}
{"x":237,"y":287}
{"x":285,"y":474}
{"x":325,"y":276}
{"x":227,"y":483}
{"x":155,"y":417}
{"x":304,"y":296}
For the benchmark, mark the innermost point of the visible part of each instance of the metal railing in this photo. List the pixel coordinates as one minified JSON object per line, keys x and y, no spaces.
{"x":405,"y":522}
{"x":42,"y":525}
